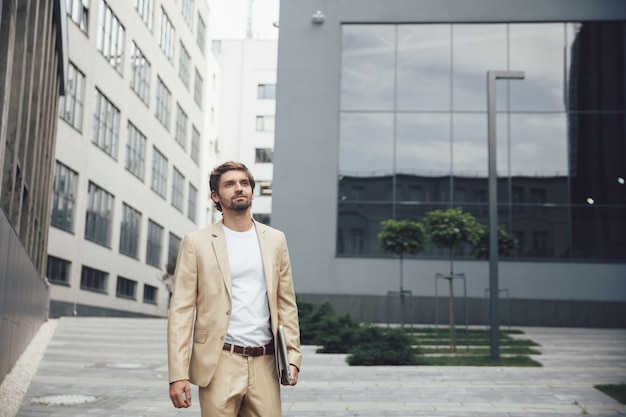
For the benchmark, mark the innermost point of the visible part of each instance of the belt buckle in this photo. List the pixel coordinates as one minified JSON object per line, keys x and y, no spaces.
{"x":243,"y":351}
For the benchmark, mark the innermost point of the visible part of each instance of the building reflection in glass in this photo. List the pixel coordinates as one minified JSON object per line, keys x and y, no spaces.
{"x":413,"y":133}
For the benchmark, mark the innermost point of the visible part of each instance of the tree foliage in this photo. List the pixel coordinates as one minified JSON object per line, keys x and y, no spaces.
{"x":449,"y":229}
{"x":507,"y":243}
{"x":403,"y":236}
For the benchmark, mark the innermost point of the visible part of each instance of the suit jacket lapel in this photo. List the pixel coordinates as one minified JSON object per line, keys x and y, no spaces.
{"x":221,"y":255}
{"x":268,"y":265}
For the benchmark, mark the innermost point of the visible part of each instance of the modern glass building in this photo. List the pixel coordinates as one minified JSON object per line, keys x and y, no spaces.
{"x":386,"y":107}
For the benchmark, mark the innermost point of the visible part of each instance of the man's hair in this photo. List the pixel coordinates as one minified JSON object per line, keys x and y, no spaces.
{"x":216,"y":174}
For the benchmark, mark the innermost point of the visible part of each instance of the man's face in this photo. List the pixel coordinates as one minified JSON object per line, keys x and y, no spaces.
{"x":235,"y":191}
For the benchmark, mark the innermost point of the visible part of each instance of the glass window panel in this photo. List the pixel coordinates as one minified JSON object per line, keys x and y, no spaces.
{"x":369,"y":188}
{"x":423,"y":144}
{"x":539,"y":144}
{"x":200,"y":33}
{"x":367,"y":67}
{"x":538,"y":50}
{"x":477,"y":49}
{"x":366,"y":144}
{"x":424,"y":67}
{"x":358,"y":228}
{"x":192,"y":203}
{"x":597,"y":67}
{"x":419,"y":189}
{"x":469,"y":147}
{"x":543,"y":232}
{"x":599,"y":232}
{"x":597,"y":145}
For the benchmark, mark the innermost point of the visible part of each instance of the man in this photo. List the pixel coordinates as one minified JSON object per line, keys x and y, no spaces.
{"x":232,"y":288}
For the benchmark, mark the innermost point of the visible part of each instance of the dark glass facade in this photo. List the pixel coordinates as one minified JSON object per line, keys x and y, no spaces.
{"x":413,"y":132}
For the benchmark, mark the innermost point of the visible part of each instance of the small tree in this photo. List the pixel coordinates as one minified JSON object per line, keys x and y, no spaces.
{"x":448,"y":230}
{"x":400,"y":237}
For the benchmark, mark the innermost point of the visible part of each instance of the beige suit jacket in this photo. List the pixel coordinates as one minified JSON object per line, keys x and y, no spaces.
{"x":201,"y":302}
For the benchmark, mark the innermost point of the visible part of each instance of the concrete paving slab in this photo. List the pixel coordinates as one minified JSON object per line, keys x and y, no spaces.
{"x":118,"y":367}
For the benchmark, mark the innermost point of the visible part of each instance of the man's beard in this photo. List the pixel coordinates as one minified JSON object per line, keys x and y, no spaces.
{"x":240,"y":205}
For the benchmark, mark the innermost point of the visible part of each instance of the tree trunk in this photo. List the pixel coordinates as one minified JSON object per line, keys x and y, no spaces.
{"x":401,"y":293}
{"x":451,"y":303}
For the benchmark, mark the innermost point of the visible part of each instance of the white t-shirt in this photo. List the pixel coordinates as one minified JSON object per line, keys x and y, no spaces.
{"x":250,"y":315}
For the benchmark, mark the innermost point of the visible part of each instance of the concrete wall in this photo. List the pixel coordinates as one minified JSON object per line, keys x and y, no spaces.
{"x":305,"y":170}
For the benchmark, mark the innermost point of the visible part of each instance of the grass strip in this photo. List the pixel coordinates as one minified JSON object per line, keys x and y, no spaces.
{"x":615,"y":391}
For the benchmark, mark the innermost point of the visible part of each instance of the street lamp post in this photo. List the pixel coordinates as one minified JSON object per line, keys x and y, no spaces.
{"x":492,"y":76}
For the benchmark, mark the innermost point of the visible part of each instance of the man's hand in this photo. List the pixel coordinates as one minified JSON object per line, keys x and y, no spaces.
{"x":294,"y":376}
{"x":180,"y":393}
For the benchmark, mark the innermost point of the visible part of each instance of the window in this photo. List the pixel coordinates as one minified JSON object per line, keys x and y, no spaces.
{"x":58,"y":270}
{"x":126,"y":288}
{"x":163,"y":104}
{"x":106,"y":119}
{"x":191,"y":203}
{"x":172,"y":249}
{"x":187,"y":11}
{"x":197,"y":90}
{"x":159,"y":172}
{"x":129,"y":231}
{"x":150,"y":294}
{"x":195,"y":144}
{"x":178,"y":189}
{"x":267,"y":91}
{"x":201,"y":33}
{"x":265,"y":187}
{"x":93,"y":279}
{"x":110,"y":37}
{"x":153,"y":249}
{"x":135,"y":151}
{"x":422,"y":109}
{"x":181,"y":127}
{"x":145,"y":8}
{"x":71,"y":105}
{"x":264,"y":155}
{"x":183,"y":65}
{"x":166,"y":41}
{"x":140,"y":78}
{"x":99,"y":215}
{"x":78,"y":10}
{"x":63,"y":197}
{"x":265,"y":123}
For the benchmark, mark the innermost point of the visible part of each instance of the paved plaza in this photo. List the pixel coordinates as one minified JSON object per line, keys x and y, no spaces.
{"x":116,"y":367}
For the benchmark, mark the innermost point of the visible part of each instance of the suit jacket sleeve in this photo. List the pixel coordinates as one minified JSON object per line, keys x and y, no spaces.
{"x":182,"y":311}
{"x":287,"y":307}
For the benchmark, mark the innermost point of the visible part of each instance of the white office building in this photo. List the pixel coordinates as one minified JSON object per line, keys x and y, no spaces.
{"x":247,"y":112}
{"x":133,"y":149}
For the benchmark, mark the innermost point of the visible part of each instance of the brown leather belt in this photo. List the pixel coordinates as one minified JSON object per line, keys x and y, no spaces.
{"x":250,"y":350}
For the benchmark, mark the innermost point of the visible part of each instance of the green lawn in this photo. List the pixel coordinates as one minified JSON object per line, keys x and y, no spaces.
{"x":618,"y":391}
{"x":472,"y":348}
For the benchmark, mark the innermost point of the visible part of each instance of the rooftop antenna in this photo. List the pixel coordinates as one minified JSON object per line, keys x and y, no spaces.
{"x":249,"y":25}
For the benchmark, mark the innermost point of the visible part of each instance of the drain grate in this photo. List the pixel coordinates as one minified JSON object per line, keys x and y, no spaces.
{"x":63,"y":400}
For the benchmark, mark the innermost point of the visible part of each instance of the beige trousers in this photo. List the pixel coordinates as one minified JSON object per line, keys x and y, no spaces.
{"x":242,"y":386}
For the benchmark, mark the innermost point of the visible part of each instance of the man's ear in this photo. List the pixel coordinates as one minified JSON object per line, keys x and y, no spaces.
{"x":214,"y":196}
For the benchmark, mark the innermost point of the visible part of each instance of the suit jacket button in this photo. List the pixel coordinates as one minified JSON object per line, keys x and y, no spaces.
{"x":228,"y":312}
